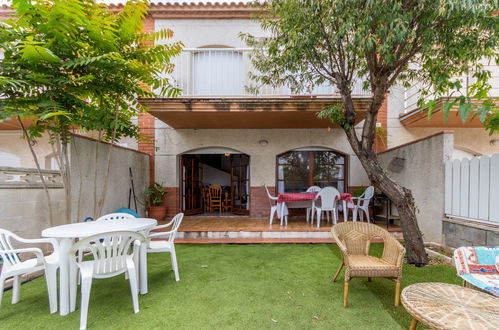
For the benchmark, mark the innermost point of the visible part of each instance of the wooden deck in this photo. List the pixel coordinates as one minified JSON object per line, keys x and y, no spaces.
{"x":240,"y":229}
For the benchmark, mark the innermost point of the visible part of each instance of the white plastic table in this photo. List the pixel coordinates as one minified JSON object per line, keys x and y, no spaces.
{"x":66,"y":234}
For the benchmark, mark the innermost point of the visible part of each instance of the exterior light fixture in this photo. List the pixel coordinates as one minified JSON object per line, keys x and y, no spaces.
{"x":226,"y":154}
{"x":263,"y":142}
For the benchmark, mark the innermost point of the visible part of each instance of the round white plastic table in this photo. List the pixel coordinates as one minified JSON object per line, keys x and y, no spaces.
{"x":66,"y":234}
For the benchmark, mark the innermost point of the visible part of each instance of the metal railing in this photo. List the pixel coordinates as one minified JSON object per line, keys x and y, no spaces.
{"x":413,"y":94}
{"x":224,"y":72}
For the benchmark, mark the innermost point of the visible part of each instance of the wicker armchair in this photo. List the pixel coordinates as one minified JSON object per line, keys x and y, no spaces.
{"x":354,"y":239}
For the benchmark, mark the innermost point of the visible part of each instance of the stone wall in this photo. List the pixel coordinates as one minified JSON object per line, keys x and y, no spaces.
{"x":83,"y":170}
{"x":24,"y":208}
{"x":457,"y":232}
{"x":419,"y":166}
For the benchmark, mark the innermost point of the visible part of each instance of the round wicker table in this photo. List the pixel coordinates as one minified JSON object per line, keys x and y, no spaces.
{"x":448,"y":306}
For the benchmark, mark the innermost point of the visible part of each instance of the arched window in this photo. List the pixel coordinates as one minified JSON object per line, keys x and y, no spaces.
{"x":301,"y":168}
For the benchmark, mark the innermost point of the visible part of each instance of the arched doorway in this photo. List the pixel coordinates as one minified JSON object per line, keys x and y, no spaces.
{"x":224,"y":167}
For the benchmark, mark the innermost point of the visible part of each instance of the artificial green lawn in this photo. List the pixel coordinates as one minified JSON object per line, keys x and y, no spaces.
{"x":281,"y":286}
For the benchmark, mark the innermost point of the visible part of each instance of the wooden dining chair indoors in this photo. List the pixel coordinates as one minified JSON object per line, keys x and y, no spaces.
{"x":206,"y":199}
{"x":227,"y":202}
{"x":215,"y":193}
{"x":354,"y":239}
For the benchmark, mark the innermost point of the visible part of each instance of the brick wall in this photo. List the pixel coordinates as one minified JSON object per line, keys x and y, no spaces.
{"x":146,"y":121}
{"x":147,"y":145}
{"x":171,"y":202}
{"x":259,"y":202}
{"x":380,"y":144}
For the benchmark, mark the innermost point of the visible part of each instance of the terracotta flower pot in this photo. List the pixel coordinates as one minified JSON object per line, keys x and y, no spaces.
{"x":157,"y":212}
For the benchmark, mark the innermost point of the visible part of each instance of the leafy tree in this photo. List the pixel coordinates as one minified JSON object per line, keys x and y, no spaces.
{"x":75,"y":65}
{"x":433,"y":42}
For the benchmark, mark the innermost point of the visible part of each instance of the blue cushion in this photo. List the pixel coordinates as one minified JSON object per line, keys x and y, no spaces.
{"x":127,"y":210}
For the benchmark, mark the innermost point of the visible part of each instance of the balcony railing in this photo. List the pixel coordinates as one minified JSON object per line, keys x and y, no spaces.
{"x":223,"y":72}
{"x":412,"y":94}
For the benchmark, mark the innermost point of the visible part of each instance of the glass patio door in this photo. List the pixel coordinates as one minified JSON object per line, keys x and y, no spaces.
{"x":190,"y":186}
{"x":240,"y":184}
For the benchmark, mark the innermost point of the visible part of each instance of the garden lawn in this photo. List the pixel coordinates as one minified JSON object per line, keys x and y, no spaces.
{"x":275,"y":286}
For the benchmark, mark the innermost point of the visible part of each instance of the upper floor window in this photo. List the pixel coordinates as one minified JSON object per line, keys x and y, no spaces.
{"x":299,"y":169}
{"x":218,"y":72}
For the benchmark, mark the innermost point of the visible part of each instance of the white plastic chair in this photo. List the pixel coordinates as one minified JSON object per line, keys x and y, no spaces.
{"x":311,"y":189}
{"x":363,"y":204}
{"x":107,"y":217}
{"x":272,"y":203}
{"x":115,"y":216}
{"x":325,"y":201}
{"x":112,"y":253}
{"x":168,"y":244}
{"x":14,"y":267}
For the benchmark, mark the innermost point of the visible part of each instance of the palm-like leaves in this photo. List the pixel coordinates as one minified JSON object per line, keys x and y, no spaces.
{"x":75,"y":64}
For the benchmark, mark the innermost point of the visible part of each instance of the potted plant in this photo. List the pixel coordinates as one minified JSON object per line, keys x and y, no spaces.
{"x":155,"y":196}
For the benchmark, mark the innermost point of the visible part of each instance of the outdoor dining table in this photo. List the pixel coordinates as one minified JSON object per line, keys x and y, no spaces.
{"x":66,"y":235}
{"x":448,"y":306}
{"x":304,"y":200}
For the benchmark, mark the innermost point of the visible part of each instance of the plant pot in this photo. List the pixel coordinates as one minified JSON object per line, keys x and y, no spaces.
{"x":157,"y":212}
{"x":371,"y":211}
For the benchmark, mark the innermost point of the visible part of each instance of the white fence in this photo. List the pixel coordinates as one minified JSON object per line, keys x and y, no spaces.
{"x":472,"y":188}
{"x":205,"y":72}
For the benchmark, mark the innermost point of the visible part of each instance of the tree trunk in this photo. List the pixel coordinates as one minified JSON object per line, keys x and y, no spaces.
{"x":400,"y":196}
{"x":39,"y":170}
{"x":62,"y":146}
{"x":109,"y":154}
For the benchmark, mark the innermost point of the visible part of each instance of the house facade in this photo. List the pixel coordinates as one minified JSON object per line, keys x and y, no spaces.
{"x":218,"y":133}
{"x":216,"y":123}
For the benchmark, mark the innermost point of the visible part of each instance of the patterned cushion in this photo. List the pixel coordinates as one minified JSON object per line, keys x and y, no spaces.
{"x":489,"y":283}
{"x":479,"y":266}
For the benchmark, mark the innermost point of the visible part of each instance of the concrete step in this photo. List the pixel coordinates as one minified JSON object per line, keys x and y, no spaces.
{"x":260,"y":236}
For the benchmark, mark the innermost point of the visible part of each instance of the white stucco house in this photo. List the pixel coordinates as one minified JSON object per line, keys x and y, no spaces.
{"x":217,"y":132}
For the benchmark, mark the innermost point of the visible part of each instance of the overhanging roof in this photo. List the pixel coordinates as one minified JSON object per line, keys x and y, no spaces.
{"x":419,"y":118}
{"x":13,"y":124}
{"x":246,"y":112}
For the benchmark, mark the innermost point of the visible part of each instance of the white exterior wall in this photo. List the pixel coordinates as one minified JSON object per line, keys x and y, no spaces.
{"x":173,"y":142}
{"x":14,"y":150}
{"x":423,"y":174}
{"x":196,"y":33}
{"x":476,"y":139}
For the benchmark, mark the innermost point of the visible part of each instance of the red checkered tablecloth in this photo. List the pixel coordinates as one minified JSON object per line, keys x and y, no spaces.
{"x":301,"y":197}
{"x":295,"y":197}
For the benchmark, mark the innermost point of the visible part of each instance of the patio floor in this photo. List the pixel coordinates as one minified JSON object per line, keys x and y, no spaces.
{"x":241,"y":229}
{"x":230,"y":286}
{"x":216,"y":223}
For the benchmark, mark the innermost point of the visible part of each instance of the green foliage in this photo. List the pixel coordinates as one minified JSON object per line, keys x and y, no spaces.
{"x":444,"y":45}
{"x":357,"y":192}
{"x":155,"y":195}
{"x":335,"y":113}
{"x":74,"y":64}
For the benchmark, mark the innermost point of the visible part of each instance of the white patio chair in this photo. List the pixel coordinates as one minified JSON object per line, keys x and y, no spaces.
{"x":168,"y":244}
{"x":325,"y":201}
{"x":115,"y":216}
{"x":362,"y":205}
{"x":106,"y":217}
{"x":112,"y":253}
{"x":311,"y":189}
{"x":14,"y":267}
{"x":272,"y":203}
